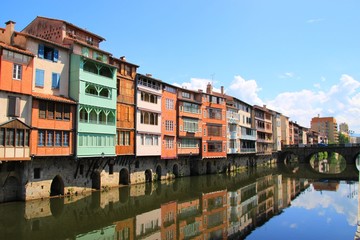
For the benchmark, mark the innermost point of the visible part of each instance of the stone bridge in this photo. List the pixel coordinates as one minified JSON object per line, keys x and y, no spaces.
{"x":304,"y":152}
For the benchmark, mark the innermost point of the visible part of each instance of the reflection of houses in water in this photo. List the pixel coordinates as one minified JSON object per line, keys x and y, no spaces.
{"x":214,"y":210}
{"x":125,"y":229}
{"x":190,"y":223}
{"x":225,"y":209}
{"x":148,"y":225}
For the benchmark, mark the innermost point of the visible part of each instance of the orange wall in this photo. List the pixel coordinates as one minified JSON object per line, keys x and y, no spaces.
{"x":7,"y":83}
{"x":49,"y":124}
{"x":167,"y":114}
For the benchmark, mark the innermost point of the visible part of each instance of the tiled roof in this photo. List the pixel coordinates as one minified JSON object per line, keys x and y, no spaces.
{"x":52,"y":98}
{"x":19,"y":50}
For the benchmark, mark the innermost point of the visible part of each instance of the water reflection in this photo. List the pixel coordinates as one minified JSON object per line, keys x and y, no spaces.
{"x":325,"y":162}
{"x":206,"y":207}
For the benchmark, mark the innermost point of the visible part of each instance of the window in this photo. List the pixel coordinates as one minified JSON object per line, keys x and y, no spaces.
{"x":19,"y":140}
{"x":214,"y":130}
{"x":39,"y":78}
{"x":58,"y":138}
{"x":127,"y":70}
{"x":169,"y":103}
{"x":37,"y":173}
{"x":149,"y":139}
{"x":124,"y":138}
{"x":214,"y":113}
{"x":215,"y":146}
{"x":13,"y":106}
{"x":191,"y":108}
{"x":149,"y":118}
{"x":54,"y":110}
{"x":17,"y":71}
{"x":169,"y":142}
{"x":9,"y":138}
{"x":189,"y":143}
{"x":148,"y":97}
{"x":50,"y":138}
{"x":55,"y":81}
{"x":169,"y":125}
{"x":191,"y":125}
{"x":185,"y":95}
{"x":48,"y":53}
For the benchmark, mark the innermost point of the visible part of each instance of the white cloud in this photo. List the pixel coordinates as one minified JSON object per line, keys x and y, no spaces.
{"x":198,"y":83}
{"x":287,"y":75}
{"x":293,"y":225}
{"x":245,"y":90}
{"x":315,"y":20}
{"x":341,"y":101}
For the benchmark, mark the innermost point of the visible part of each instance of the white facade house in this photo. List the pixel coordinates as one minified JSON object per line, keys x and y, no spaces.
{"x":148,"y":116}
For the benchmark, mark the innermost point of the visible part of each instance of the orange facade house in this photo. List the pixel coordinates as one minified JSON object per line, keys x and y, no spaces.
{"x":214,"y":124}
{"x":52,"y":122}
{"x":125,"y":107}
{"x":168,"y":122}
{"x":16,"y":69}
{"x":189,"y":122}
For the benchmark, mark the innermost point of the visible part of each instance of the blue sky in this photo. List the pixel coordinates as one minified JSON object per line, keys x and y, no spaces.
{"x":301,"y":57}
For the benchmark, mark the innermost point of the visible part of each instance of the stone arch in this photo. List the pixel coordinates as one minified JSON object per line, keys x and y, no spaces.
{"x":57,"y":186}
{"x":158,"y":172}
{"x":95,"y":180}
{"x":124,"y":177}
{"x":11,"y":189}
{"x":176,"y":170}
{"x":208,"y":167}
{"x":148,"y":175}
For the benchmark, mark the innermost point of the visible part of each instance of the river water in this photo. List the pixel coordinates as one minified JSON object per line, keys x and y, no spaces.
{"x":262,"y":203}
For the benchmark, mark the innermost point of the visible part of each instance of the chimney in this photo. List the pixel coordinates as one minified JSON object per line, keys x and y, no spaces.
{"x":148,"y":75}
{"x":9,"y":30}
{"x":123,"y":58}
{"x":200,"y":90}
{"x":264,"y":106}
{"x":209,"y":88}
{"x":222,"y":90}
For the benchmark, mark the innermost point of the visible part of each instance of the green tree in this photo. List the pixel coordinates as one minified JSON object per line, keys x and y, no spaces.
{"x":343,"y":138}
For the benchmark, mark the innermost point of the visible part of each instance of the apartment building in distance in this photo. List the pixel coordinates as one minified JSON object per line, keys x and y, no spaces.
{"x":326,"y":127}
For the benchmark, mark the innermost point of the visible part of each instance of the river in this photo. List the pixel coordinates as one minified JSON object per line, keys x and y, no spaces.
{"x":258,"y":203}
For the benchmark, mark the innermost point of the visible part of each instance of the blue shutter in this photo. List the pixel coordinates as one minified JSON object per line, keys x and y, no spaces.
{"x":41,"y":51}
{"x":55,"y":80}
{"x":56,"y":55}
{"x":39,"y":78}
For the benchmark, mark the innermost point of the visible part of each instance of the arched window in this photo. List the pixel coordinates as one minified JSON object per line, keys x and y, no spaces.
{"x":102,"y":118}
{"x":105,"y":93}
{"x":152,"y":119}
{"x":111,"y":119}
{"x":83,"y":115}
{"x":106,"y":72}
{"x":93,"y":117}
{"x":146,"y":97}
{"x":90,"y":67}
{"x":146,"y":118}
{"x":91,"y":90}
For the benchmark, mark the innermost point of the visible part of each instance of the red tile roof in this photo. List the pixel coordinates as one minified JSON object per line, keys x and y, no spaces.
{"x":15,"y":49}
{"x":52,"y":98}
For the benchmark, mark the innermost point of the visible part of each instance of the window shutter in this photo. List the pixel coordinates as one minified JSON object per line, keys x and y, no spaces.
{"x":39,"y":78}
{"x":17,"y":107}
{"x":41,"y":51}
{"x":55,"y":80}
{"x":56,"y":55}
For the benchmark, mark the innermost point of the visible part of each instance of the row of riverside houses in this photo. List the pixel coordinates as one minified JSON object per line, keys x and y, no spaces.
{"x":74,"y":118}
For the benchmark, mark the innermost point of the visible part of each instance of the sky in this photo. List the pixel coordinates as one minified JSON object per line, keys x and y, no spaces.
{"x":300,"y":58}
